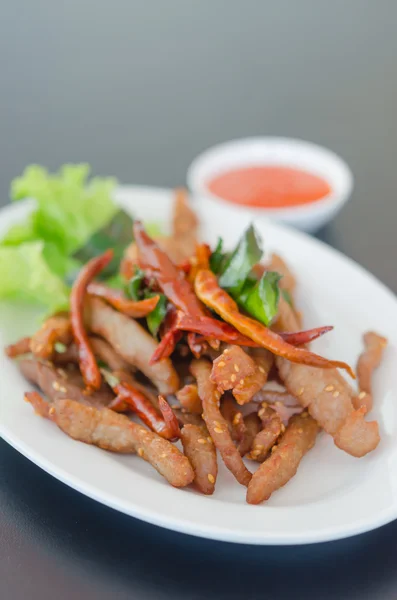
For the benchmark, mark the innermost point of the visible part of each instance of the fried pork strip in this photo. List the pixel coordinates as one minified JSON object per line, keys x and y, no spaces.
{"x":272,"y":427}
{"x":216,"y":424}
{"x":369,"y":360}
{"x":102,"y":350}
{"x":247,"y":387}
{"x":131,"y":342}
{"x":234,"y":417}
{"x":201,"y":452}
{"x":19,"y":348}
{"x":57,"y":384}
{"x":283,"y":463}
{"x":327,"y":396}
{"x":253,"y":426}
{"x":55,"y":329}
{"x":231,"y":368}
{"x":189,"y":399}
{"x":116,"y":433}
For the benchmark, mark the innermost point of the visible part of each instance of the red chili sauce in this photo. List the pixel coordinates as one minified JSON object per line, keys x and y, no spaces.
{"x":269,"y":186}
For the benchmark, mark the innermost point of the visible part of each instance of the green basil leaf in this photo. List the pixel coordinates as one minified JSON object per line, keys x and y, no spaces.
{"x":117,"y":234}
{"x":260,"y":298}
{"x":156,"y":317}
{"x":218,"y":258}
{"x":133,"y":286}
{"x":247,"y":253}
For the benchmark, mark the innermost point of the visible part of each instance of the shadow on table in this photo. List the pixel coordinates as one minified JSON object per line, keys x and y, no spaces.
{"x":113,"y":549}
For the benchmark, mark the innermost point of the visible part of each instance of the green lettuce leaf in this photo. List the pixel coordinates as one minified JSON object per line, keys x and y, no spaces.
{"x":247,"y":253}
{"x":69,"y":208}
{"x":25,"y":275}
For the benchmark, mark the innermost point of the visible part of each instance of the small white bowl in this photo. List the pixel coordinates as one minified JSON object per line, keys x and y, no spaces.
{"x":275,"y":151}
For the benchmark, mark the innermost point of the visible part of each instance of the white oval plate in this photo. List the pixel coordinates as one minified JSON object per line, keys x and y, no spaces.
{"x":332,"y":496}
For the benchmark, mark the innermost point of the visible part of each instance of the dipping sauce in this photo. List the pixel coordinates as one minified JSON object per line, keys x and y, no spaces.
{"x":269,"y":186}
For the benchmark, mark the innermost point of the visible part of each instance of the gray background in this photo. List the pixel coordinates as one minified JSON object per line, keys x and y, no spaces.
{"x":138,"y":88}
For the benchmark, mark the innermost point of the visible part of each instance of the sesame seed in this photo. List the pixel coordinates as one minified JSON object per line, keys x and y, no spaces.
{"x":261,"y":369}
{"x":265,"y":404}
{"x":336,"y":394}
{"x":329,"y":388}
{"x":300,"y":392}
{"x":140,"y":452}
{"x":278,"y":403}
{"x":237,"y":418}
{"x":221,"y":364}
{"x":62,"y":389}
{"x":241,"y":382}
{"x":236,"y":368}
{"x":259,"y":447}
{"x":161,"y":455}
{"x":211,"y":478}
{"x":233,"y":377}
{"x":202,"y":441}
{"x":254,"y":453}
{"x":51,"y":411}
{"x":218,"y":430}
{"x":216,"y":423}
{"x":300,"y":430}
{"x":226,"y":351}
{"x":61,"y":372}
{"x":261,"y":412}
{"x":362,"y":395}
{"x":274,"y":447}
{"x":55,"y":385}
{"x":209,"y":440}
{"x":282,"y":428}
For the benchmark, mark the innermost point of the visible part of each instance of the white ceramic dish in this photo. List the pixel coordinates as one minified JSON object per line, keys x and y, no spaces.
{"x":275,"y":151}
{"x":333,"y":494}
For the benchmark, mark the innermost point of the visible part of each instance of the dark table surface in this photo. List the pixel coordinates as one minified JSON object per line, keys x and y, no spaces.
{"x":138,"y":88}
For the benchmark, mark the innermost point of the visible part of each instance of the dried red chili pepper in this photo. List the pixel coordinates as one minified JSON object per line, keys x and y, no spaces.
{"x":213,"y":296}
{"x":88,"y":365}
{"x":141,"y":405}
{"x":117,"y":299}
{"x":172,"y":282}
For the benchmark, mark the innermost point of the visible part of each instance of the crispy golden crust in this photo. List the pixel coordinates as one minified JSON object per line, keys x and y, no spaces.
{"x":216,"y":424}
{"x":283,"y":403}
{"x":56,"y":383}
{"x":189,"y":399}
{"x":368,"y":361}
{"x":19,"y":348}
{"x":246,"y":388}
{"x":253,"y":426}
{"x":357,"y":436}
{"x":284,"y":461}
{"x":132,"y":343}
{"x":231,"y":368}
{"x":116,"y":433}
{"x":327,"y":396}
{"x":234,"y":417}
{"x":55,"y":329}
{"x":102,"y":350}
{"x":272,"y":427}
{"x":201,"y":452}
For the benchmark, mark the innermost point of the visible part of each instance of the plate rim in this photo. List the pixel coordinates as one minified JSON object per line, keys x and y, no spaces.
{"x":182,"y":525}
